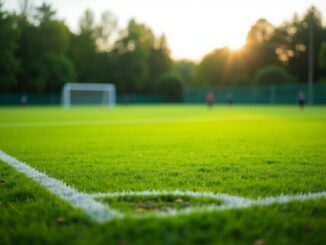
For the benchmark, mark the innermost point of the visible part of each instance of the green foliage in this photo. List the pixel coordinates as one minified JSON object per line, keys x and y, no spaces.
{"x":139,"y":58}
{"x":87,"y":22}
{"x":169,"y":87}
{"x":133,"y":62}
{"x":9,"y":64}
{"x":260,"y":32}
{"x":27,"y":53}
{"x":44,"y":13}
{"x":266,"y":45}
{"x":83,"y":55}
{"x":132,"y":53}
{"x":134,"y":58}
{"x":220,"y":68}
{"x":322,"y":56}
{"x":159,"y":60}
{"x":292,"y":42}
{"x":105,"y":30}
{"x":259,"y":50}
{"x":52,"y":71}
{"x":185,"y":69}
{"x":50,"y":36}
{"x":53,"y":37}
{"x":270,"y":75}
{"x":242,"y":80}
{"x":210,"y":70}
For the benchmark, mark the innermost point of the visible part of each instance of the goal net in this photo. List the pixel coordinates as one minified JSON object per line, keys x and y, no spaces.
{"x":88,"y":94}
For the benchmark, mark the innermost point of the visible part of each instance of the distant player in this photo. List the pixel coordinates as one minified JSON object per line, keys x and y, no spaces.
{"x":23,"y":99}
{"x":301,"y":99}
{"x":210,"y":99}
{"x":230,"y":98}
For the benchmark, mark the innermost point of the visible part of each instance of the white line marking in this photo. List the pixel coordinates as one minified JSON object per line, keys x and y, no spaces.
{"x":96,"y":210}
{"x":102,"y":212}
{"x":218,"y":196}
{"x":229,"y":202}
{"x":289,"y":198}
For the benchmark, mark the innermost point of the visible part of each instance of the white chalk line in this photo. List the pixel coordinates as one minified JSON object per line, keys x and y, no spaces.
{"x":95,"y":209}
{"x":101,"y":212}
{"x":229,"y":201}
{"x":217,"y":196}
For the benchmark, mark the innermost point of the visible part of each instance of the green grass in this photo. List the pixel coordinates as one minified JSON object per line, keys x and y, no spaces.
{"x":246,"y":151}
{"x":151,"y":204}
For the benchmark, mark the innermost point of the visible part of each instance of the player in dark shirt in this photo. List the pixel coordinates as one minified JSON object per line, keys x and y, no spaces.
{"x":301,"y":99}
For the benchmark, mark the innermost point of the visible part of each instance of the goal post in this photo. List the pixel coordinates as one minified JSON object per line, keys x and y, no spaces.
{"x":103,"y":94}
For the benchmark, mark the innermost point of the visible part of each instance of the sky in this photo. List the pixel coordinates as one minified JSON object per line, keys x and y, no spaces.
{"x":193,"y":27}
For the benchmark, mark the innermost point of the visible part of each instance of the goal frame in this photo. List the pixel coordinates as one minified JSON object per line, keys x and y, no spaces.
{"x":104,"y":87}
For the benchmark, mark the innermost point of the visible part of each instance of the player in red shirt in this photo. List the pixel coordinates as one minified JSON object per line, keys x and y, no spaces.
{"x":210,"y":99}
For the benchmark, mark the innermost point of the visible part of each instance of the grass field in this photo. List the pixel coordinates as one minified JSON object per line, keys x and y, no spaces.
{"x":251,"y":152}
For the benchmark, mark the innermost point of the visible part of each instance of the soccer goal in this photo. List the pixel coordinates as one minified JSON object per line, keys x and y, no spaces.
{"x":102,"y":94}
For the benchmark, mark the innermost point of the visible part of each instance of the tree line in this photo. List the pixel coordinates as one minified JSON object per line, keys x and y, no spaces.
{"x":39,"y":53}
{"x":271,"y":55}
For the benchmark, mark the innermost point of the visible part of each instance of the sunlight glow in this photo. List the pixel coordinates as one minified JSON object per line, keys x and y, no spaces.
{"x":236,"y":44}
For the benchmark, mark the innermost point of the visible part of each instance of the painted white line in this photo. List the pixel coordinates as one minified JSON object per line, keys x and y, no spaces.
{"x":101,"y":212}
{"x":218,"y":196}
{"x":96,"y":210}
{"x":289,"y":198}
{"x":229,"y":202}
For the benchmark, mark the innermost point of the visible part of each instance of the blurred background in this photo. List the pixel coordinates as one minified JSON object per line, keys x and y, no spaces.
{"x":228,"y":48}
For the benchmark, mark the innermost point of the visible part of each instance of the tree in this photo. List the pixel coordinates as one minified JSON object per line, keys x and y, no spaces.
{"x":259,"y":50}
{"x":322,"y":61}
{"x":9,"y":65}
{"x":169,"y":87}
{"x":293,"y":43}
{"x":53,"y":37}
{"x":106,"y":31}
{"x":82,"y":50}
{"x":52,"y":72}
{"x":283,"y":39}
{"x":44,"y":13}
{"x":242,"y":79}
{"x":185,"y":70}
{"x":220,"y":67}
{"x":83,"y":54}
{"x":210,"y":71}
{"x":272,"y":75}
{"x":25,"y":9}
{"x":260,"y":32}
{"x":322,"y":56}
{"x":159,"y":59}
{"x":131,"y":54}
{"x":87,"y":22}
{"x":27,"y":52}
{"x":37,"y":39}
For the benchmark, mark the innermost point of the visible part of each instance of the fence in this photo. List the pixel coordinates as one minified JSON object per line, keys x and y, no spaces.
{"x":281,"y":94}
{"x":55,"y":99}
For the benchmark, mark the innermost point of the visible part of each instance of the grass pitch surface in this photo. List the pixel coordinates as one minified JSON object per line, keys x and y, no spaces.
{"x":245,"y":151}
